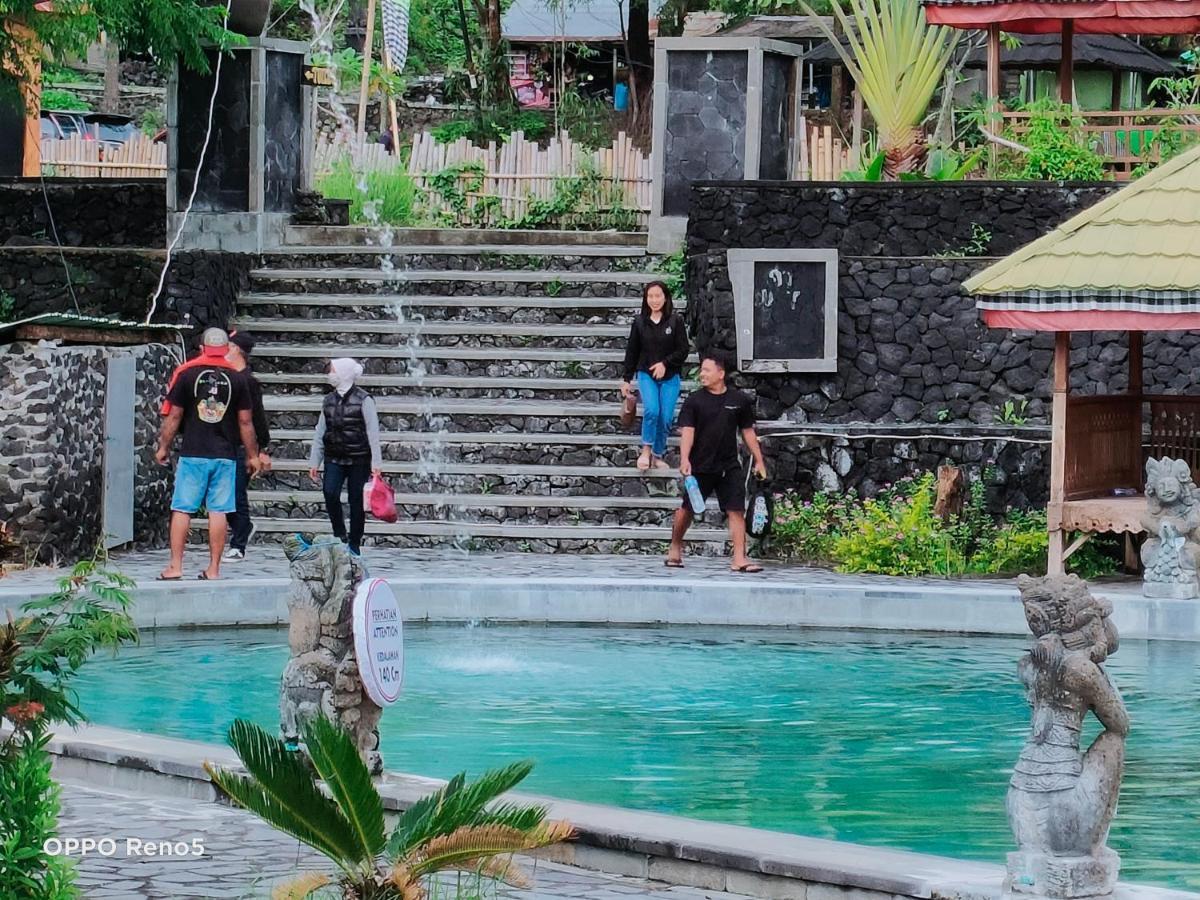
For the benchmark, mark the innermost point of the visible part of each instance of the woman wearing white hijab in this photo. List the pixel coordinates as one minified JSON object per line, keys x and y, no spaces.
{"x":347,"y":440}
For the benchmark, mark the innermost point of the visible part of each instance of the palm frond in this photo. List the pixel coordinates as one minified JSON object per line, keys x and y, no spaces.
{"x":502,"y":868}
{"x":409,"y":885}
{"x":897,"y":61}
{"x":337,"y":761}
{"x":282,"y":792}
{"x":300,"y":888}
{"x":455,"y":805}
{"x":479,"y":842}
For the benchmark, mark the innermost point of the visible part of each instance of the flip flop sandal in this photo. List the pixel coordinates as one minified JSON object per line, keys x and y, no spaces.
{"x":747,"y":569}
{"x":203,"y":577}
{"x":168,"y":578}
{"x":673,"y":563}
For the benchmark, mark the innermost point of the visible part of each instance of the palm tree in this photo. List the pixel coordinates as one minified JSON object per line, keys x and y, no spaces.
{"x":897,"y":61}
{"x":457,"y":827}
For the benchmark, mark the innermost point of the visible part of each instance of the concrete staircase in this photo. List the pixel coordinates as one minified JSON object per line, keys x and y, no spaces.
{"x":495,"y":371}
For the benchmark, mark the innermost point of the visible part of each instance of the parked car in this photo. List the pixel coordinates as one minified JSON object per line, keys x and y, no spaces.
{"x":61,"y":124}
{"x":109,"y":128}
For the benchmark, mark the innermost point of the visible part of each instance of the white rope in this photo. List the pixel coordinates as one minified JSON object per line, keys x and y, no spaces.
{"x":212,"y":102}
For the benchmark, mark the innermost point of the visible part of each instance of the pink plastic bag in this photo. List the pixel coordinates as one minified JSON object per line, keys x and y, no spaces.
{"x":380,"y":500}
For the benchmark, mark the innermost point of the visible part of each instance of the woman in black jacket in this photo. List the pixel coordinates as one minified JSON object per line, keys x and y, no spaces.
{"x":657,"y":350}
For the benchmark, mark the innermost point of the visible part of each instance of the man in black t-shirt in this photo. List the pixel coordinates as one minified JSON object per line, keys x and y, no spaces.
{"x":210,"y":402}
{"x":709,"y":424}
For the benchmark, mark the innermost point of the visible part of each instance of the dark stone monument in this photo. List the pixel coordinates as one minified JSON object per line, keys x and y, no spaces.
{"x":259,"y":156}
{"x":724,"y":110}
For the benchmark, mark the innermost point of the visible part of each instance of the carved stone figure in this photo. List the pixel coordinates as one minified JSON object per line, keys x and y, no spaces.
{"x":1172,"y":523}
{"x":322,"y":674}
{"x":1061,"y":800}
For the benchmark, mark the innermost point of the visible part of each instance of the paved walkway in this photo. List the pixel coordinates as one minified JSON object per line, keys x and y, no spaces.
{"x":266,"y":561}
{"x":244,"y":858}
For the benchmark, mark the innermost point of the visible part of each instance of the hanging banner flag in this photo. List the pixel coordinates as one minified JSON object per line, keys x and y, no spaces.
{"x":395,"y":32}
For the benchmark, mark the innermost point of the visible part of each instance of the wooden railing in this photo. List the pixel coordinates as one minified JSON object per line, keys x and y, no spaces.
{"x":1103,"y":445}
{"x":1175,"y":429}
{"x":1126,"y":138}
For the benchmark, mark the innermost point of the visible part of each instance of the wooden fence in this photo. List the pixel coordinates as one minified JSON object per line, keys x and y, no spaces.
{"x":506,"y":178}
{"x":75,"y":157}
{"x":1126,"y":138}
{"x":822,"y":156}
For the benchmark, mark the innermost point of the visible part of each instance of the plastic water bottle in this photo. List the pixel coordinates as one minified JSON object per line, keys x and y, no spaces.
{"x":695,"y":498}
{"x":758,"y":521}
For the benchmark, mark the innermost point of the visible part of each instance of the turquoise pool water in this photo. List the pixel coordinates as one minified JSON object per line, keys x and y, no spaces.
{"x":896,"y":740}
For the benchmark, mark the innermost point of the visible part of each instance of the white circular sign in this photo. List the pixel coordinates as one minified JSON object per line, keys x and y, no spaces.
{"x":379,"y":641}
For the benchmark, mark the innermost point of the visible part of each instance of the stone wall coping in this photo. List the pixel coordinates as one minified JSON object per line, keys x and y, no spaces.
{"x":888,"y":186}
{"x":931,"y":430}
{"x":728,"y":847}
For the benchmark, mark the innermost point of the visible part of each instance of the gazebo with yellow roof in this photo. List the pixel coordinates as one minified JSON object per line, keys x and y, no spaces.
{"x":1129,"y":263}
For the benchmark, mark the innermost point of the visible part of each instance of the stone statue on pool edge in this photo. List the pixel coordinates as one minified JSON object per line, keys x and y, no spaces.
{"x":1061,"y":799}
{"x":322,"y":673}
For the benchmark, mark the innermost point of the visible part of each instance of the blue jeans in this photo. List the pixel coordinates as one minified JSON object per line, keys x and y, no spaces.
{"x":658,"y":410}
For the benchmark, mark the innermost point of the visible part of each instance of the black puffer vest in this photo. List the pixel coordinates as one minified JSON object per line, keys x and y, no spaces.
{"x":345,"y":427}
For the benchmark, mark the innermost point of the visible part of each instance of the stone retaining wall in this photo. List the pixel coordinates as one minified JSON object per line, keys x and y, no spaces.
{"x":911,"y":345}
{"x":102,"y":213}
{"x":201,"y":288}
{"x":52,"y":462}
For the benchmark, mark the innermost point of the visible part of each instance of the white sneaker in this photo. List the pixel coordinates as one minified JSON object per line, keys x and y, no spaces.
{"x":233,"y":554}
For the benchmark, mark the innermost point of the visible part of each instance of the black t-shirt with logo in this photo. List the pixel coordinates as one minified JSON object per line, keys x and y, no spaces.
{"x":211,"y":399}
{"x":717,"y":419}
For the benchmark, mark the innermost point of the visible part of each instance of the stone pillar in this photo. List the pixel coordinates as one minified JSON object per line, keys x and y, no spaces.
{"x":259,"y":154}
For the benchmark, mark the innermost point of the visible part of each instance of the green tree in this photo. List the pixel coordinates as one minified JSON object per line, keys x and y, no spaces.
{"x":165,"y":28}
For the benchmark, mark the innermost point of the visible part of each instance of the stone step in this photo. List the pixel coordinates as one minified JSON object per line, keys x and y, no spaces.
{"x":401,"y":307}
{"x":435,"y":334}
{"x":468,"y":386}
{"x":454,"y":282}
{"x":473,"y":240}
{"x":462,"y":414}
{"x":510,"y":471}
{"x":487,"y":501}
{"x":485,"y":447}
{"x":501,"y":536}
{"x":491,"y":362}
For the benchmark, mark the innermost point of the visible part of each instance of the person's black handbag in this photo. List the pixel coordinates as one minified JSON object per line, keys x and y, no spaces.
{"x":760,"y":507}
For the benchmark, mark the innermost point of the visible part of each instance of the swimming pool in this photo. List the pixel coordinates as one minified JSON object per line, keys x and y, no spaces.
{"x":885,"y":739}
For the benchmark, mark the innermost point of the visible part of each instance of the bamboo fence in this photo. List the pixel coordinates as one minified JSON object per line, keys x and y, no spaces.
{"x":515,"y":172}
{"x":822,"y":156}
{"x":75,"y":157}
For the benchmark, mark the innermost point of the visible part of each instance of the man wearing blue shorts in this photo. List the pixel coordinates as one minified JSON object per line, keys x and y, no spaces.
{"x":210,"y":402}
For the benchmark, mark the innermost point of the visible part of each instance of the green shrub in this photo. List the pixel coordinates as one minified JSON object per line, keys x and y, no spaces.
{"x":60,"y":98}
{"x":29,"y":806}
{"x":1058,"y":148}
{"x":495,"y":124}
{"x":392,"y":192}
{"x":896,"y":533}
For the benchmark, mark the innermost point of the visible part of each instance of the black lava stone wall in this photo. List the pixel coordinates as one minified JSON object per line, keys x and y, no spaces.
{"x":102,"y":213}
{"x":201,"y":287}
{"x":911,"y":345}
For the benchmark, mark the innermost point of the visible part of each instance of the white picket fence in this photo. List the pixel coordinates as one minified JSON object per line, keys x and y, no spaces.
{"x":75,"y":157}
{"x":506,"y":177}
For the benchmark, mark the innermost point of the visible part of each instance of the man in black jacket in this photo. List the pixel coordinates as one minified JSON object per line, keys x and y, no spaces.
{"x":241,"y":526}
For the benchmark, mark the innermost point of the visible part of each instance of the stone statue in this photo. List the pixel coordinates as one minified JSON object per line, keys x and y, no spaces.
{"x":322,"y":674}
{"x":1061,"y":800}
{"x":1172,"y":523}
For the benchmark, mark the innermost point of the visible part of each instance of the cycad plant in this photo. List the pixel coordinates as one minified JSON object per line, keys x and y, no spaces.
{"x":458,"y":827}
{"x":898,"y":61}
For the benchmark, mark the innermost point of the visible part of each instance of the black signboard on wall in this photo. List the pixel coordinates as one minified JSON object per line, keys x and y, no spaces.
{"x":785,"y":304}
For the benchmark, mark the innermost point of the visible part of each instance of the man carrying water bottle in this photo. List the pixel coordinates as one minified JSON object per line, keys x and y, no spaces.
{"x":709,"y":424}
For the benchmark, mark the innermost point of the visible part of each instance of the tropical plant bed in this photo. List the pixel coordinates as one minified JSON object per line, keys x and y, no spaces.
{"x":897,"y":533}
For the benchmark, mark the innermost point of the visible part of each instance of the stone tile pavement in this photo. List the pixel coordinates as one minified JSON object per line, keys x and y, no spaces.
{"x":244,"y":858}
{"x":266,"y":561}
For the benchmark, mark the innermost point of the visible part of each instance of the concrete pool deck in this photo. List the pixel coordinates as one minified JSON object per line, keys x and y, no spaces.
{"x":515,"y":587}
{"x":640,"y":845}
